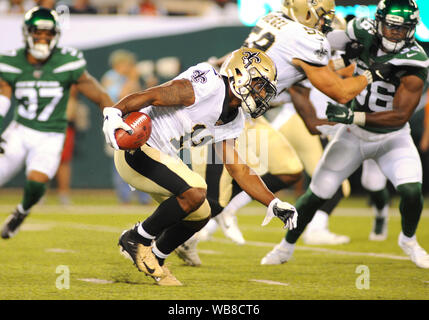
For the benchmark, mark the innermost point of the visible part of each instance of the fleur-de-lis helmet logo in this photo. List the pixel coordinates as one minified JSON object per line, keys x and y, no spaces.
{"x":250,"y":57}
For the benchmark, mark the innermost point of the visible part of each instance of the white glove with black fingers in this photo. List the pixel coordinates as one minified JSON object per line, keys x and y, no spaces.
{"x":284,"y":211}
{"x":113,"y":121}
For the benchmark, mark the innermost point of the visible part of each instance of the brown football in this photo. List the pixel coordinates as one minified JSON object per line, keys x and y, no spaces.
{"x":141,"y":124}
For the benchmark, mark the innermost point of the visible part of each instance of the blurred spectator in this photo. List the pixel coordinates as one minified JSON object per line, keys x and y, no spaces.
{"x":222,"y":8}
{"x":82,"y":7}
{"x":15,"y":6}
{"x":120,"y":81}
{"x":50,"y":4}
{"x":146,"y":8}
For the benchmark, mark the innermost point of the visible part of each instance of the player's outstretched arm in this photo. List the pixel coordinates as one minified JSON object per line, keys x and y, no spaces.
{"x":246,"y":178}
{"x":93,"y":90}
{"x":175,"y":93}
{"x":331,"y":84}
{"x":305,"y":109}
{"x":250,"y":182}
{"x":405,"y":101}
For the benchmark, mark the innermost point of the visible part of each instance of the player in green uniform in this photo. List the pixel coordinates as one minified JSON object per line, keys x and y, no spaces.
{"x":39,"y":77}
{"x":376,"y":124}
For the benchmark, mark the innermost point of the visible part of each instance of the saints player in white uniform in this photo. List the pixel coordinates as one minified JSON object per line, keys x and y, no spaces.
{"x":377,"y":125}
{"x":294,"y":40}
{"x":199,"y":106}
{"x":39,"y":77}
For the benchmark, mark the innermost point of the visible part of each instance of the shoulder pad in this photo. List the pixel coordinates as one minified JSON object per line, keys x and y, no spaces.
{"x":361,"y":29}
{"x":71,"y":53}
{"x":412,"y":56}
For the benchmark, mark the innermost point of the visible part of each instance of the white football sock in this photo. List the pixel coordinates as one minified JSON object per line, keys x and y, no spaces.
{"x":287,"y":245}
{"x":406,"y":239}
{"x":158,"y":253}
{"x":143,"y":233}
{"x":381,"y":213}
{"x":239,"y":201}
{"x":319,"y":221}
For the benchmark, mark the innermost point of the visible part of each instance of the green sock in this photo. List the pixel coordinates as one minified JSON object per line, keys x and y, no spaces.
{"x":379,"y":198}
{"x":33,"y":191}
{"x":306,"y":206}
{"x":411,"y":207}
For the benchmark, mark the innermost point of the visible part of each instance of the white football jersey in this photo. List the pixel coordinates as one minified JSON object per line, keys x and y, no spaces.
{"x":283,"y":39}
{"x":175,"y":128}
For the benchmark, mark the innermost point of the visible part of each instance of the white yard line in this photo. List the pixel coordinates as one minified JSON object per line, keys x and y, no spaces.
{"x":97,"y":281}
{"x":324,"y":250}
{"x":59,"y":250}
{"x":269,"y":282}
{"x":147,"y":209}
{"x":101,"y":228}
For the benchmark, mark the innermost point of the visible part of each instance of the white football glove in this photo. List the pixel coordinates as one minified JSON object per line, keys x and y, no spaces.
{"x":284,"y":211}
{"x":113,"y":121}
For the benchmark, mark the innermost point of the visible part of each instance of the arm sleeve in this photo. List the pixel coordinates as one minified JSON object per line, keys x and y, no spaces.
{"x":311,"y":48}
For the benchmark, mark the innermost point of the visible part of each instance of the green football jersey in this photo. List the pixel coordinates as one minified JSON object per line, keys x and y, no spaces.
{"x":378,"y":96}
{"x":41,"y":92}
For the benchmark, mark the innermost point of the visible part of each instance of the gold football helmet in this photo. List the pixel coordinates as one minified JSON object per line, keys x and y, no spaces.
{"x":252,"y":77}
{"x":311,"y":13}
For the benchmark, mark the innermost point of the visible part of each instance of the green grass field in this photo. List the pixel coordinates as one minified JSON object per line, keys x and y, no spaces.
{"x":83,"y":238}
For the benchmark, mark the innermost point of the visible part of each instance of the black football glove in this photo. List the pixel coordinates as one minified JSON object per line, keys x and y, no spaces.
{"x":1,"y":148}
{"x":353,"y":50}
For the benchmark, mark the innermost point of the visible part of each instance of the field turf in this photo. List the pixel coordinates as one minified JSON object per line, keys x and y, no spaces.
{"x":82,"y":239}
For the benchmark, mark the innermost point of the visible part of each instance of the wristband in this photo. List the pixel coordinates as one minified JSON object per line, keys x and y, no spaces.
{"x":359,"y":118}
{"x":4,"y":105}
{"x":368,"y":75}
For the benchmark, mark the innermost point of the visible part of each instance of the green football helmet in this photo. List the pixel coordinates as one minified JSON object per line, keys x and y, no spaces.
{"x":396,"y":17}
{"x":40,"y":18}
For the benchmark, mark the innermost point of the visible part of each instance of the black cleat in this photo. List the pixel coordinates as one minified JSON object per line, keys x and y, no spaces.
{"x":142,"y":256}
{"x":12,"y":224}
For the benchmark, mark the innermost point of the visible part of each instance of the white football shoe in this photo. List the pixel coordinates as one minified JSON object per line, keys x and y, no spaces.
{"x":417,"y":254}
{"x":278,"y":255}
{"x":188,"y":252}
{"x":227,"y":220}
{"x":324,"y":237}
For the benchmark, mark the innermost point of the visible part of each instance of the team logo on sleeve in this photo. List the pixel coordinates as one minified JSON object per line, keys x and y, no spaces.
{"x":250,"y":57}
{"x":199,"y":76}
{"x":321,"y":53}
